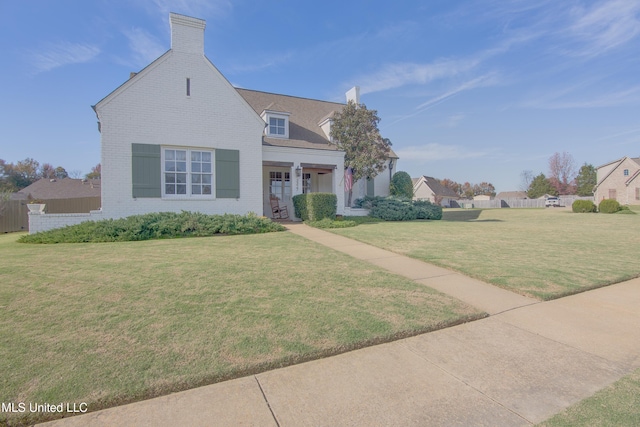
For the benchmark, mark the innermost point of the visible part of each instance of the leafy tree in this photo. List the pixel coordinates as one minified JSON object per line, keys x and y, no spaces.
{"x":484,"y":189}
{"x":562,"y":173}
{"x":452,"y":185}
{"x":401,"y":185}
{"x":586,"y":180}
{"x":61,"y":173}
{"x":540,"y":186}
{"x":5,"y":196}
{"x":47,"y":171}
{"x":467,"y":190}
{"x":96,"y":172}
{"x":354,"y":130}
{"x":23,"y":174}
{"x":5,"y":171}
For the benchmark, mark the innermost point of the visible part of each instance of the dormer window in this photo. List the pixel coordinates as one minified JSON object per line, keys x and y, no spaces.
{"x":276,"y":126}
{"x":277,"y":123}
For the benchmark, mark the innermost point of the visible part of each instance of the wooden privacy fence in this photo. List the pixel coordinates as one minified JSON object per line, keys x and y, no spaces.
{"x":14,"y":213}
{"x":515,"y":203}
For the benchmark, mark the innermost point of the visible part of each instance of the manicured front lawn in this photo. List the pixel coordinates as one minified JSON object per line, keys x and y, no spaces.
{"x":110,"y":323}
{"x":536,"y":252}
{"x":617,"y":405}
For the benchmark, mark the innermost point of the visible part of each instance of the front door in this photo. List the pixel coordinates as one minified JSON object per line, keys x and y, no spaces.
{"x":278,"y":183}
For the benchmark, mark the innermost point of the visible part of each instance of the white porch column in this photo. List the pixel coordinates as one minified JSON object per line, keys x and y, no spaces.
{"x":296,"y":187}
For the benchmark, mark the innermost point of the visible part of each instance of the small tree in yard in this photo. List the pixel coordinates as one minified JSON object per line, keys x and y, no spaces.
{"x":539,"y":187}
{"x":401,"y":185}
{"x":562,"y":173}
{"x":586,"y":180}
{"x":354,"y":130}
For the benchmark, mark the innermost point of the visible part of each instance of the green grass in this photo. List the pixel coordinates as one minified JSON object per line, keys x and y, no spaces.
{"x":544,"y":253}
{"x":617,"y":405}
{"x":111,"y":323}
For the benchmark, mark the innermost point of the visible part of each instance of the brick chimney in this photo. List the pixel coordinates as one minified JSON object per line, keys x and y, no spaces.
{"x":187,"y":34}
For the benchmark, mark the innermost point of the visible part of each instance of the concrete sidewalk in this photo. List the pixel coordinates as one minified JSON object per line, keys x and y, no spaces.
{"x":526,"y":362}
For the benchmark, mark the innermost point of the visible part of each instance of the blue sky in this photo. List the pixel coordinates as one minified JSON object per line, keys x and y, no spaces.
{"x":467,"y":90}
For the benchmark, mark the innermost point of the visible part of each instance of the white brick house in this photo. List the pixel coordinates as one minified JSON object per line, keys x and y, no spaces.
{"x":178,"y":136}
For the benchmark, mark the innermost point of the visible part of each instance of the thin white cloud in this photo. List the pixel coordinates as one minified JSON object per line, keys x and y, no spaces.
{"x":604,"y":27}
{"x":578,"y":96}
{"x":454,"y":120}
{"x":482,"y":81}
{"x":436,"y":152}
{"x":64,"y":53}
{"x":395,"y":75}
{"x":261,"y":64}
{"x":145,"y":48}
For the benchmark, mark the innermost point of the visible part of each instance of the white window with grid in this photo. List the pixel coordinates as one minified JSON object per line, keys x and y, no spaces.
{"x":276,"y":126}
{"x":280,"y":185}
{"x":187,"y":173}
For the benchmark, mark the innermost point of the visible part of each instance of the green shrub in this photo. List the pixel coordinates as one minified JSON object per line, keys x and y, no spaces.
{"x":583,"y":206}
{"x":315,"y":206}
{"x":393,"y":209}
{"x":625,"y":211}
{"x":609,"y":206}
{"x":322,"y":205}
{"x":427,"y":210}
{"x":329,"y":223}
{"x":163,"y":225}
{"x":401,"y":185}
{"x":367,"y":202}
{"x":300,"y":206}
{"x":402,"y":209}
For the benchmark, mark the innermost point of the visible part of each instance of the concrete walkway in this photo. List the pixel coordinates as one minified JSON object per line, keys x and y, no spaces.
{"x":524,"y":363}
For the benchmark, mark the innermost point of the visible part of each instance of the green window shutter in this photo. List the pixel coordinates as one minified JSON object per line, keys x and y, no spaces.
{"x":227,"y":174}
{"x":370,"y":187}
{"x":146,"y":170}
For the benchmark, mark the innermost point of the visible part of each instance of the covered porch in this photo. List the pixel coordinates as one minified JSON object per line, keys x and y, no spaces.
{"x":286,"y":174}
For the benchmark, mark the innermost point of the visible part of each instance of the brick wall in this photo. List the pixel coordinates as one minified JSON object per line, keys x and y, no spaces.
{"x":43,"y":222}
{"x":625,"y":195}
{"x":153,"y":108}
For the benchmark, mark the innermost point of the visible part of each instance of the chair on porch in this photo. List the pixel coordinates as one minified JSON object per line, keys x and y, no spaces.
{"x":277,"y":211}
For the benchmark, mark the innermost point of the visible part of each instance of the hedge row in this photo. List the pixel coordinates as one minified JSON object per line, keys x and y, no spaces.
{"x":163,"y":225}
{"x":315,"y":206}
{"x":399,"y":209}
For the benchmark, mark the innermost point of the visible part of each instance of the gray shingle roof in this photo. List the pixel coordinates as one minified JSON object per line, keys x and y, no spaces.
{"x":512,"y":195}
{"x":67,"y":188}
{"x":305,"y":118}
{"x":439,"y":189}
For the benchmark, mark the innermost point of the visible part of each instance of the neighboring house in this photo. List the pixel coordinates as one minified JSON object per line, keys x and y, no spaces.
{"x":428,"y":188}
{"x":55,"y":189}
{"x":482,"y":197}
{"x":65,"y":195}
{"x":503,"y":195}
{"x":178,"y":136}
{"x":619,"y":180}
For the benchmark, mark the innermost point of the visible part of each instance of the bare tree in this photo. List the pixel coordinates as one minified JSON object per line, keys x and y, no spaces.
{"x":562,"y":172}
{"x":75,"y":174}
{"x":526,"y":177}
